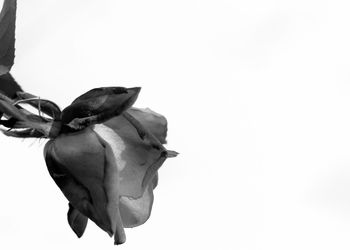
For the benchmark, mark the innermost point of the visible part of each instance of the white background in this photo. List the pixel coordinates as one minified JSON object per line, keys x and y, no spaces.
{"x":257,"y":96}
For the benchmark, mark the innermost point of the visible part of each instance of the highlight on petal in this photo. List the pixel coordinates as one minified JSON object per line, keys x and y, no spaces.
{"x":76,"y":220}
{"x":138,"y":160}
{"x":113,"y":145}
{"x":155,"y":180}
{"x":98,"y":105}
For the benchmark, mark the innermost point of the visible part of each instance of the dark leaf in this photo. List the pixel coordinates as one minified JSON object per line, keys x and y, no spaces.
{"x":8,"y":86}
{"x":98,"y":105}
{"x":7,"y":35}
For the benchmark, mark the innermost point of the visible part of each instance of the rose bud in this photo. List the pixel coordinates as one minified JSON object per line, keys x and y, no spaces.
{"x":102,"y":154}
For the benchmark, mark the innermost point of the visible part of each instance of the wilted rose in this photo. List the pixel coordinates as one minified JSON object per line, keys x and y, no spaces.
{"x":103,"y":155}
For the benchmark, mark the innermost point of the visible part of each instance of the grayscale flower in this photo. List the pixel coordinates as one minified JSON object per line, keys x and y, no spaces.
{"x":103,"y":154}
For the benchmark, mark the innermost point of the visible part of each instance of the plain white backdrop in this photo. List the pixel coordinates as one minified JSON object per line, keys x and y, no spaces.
{"x":257,"y":96}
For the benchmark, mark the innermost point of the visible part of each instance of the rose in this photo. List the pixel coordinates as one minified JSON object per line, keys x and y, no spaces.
{"x":103,"y":155}
{"x":108,"y":172}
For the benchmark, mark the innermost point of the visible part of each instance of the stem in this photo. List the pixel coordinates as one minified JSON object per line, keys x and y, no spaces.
{"x":43,"y":105}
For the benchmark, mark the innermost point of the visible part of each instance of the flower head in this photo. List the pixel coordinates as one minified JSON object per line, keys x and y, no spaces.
{"x":102,"y":154}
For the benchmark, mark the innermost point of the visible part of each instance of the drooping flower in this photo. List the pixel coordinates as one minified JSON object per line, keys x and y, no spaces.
{"x":103,"y":154}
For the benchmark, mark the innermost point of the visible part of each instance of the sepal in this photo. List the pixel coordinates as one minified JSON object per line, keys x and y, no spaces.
{"x":98,"y":105}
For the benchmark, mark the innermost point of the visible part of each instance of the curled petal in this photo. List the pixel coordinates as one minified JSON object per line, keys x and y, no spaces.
{"x":154,"y":122}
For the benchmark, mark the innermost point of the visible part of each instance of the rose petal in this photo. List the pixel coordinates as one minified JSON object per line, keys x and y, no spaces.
{"x":114,"y":146}
{"x":76,"y":220}
{"x":138,"y":159}
{"x":133,"y":158}
{"x":135,"y":212}
{"x":154,"y":122}
{"x":77,"y":164}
